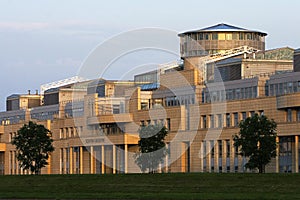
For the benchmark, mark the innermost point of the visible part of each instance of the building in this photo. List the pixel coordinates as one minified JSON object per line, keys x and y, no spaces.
{"x":201,"y":101}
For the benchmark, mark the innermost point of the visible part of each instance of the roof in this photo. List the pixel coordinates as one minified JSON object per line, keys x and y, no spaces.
{"x":13,"y":96}
{"x":222,"y":28}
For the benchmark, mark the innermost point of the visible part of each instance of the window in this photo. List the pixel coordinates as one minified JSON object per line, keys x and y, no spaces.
{"x":204,"y":149}
{"x":228,"y":119}
{"x":286,"y":154}
{"x":212,"y":147}
{"x":221,"y":36}
{"x":204,"y":156}
{"x":241,"y":36}
{"x":71,"y":132}
{"x":290,"y":87}
{"x":168,"y":124}
{"x":200,"y":36}
{"x":220,"y":121}
{"x":261,"y":112}
{"x":237,"y":93}
{"x":249,"y":36}
{"x":204,"y":121}
{"x":250,"y":92}
{"x":236,"y":119}
{"x":255,"y":92}
{"x":244,"y":116}
{"x":212,"y":121}
{"x":220,"y":149}
{"x":252,"y":113}
{"x":271,"y":90}
{"x":66,"y":132}
{"x":298,"y":116}
{"x":289,"y":115}
{"x":227,"y":148}
{"x":212,"y":155}
{"x":235,"y":36}
{"x":215,"y":36}
{"x":207,"y":36}
{"x":280,"y":88}
{"x":228,"y":36}
{"x":295,"y":86}
{"x":236,"y":151}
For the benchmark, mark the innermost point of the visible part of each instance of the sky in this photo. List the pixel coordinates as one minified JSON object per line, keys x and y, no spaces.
{"x":42,"y":41}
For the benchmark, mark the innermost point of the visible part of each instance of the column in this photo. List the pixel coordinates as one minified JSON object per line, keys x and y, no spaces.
{"x":65,"y":160}
{"x":126,"y":158}
{"x":216,"y":161}
{"x":208,"y":156}
{"x":13,"y":162}
{"x":167,"y":159}
{"x":71,"y":160}
{"x":114,"y":158}
{"x":224,"y":156}
{"x":183,"y":157}
{"x":92,"y":160}
{"x":81,"y":159}
{"x":49,"y":164}
{"x":296,"y":154}
{"x":232,"y":156}
{"x":102,"y":160}
{"x":277,"y":155}
{"x":61,"y":161}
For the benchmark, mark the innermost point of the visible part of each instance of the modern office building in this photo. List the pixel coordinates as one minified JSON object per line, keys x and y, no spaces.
{"x":229,"y":77}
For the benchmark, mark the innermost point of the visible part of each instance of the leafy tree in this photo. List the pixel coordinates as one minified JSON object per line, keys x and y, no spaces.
{"x":33,"y":144}
{"x":257,"y":139}
{"x":152,"y":148}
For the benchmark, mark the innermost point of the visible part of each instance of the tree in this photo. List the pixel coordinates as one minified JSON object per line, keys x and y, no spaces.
{"x":33,"y":144}
{"x":257,"y":139}
{"x":152,"y":148}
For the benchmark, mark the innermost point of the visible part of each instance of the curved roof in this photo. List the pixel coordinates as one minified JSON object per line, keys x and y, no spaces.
{"x":222,"y":28}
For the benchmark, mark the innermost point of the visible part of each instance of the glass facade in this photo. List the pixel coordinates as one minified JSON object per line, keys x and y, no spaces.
{"x":285,"y":154}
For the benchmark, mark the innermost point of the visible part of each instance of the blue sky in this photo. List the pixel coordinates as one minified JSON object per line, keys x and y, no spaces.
{"x":45,"y":41}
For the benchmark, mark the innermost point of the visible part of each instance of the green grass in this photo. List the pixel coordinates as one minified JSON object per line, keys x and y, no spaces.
{"x":152,"y":186}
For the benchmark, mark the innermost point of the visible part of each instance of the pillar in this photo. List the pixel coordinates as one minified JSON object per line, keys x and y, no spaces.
{"x":114,"y":158}
{"x":71,"y":160}
{"x":81,"y":160}
{"x":49,"y":164}
{"x":296,"y":154}
{"x":65,"y":161}
{"x":102,"y":160}
{"x":61,"y":161}
{"x":126,"y":158}
{"x":277,"y":155}
{"x":92,"y":160}
{"x":167,"y":159}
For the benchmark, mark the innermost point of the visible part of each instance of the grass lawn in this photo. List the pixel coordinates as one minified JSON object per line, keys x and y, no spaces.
{"x":152,"y":186}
